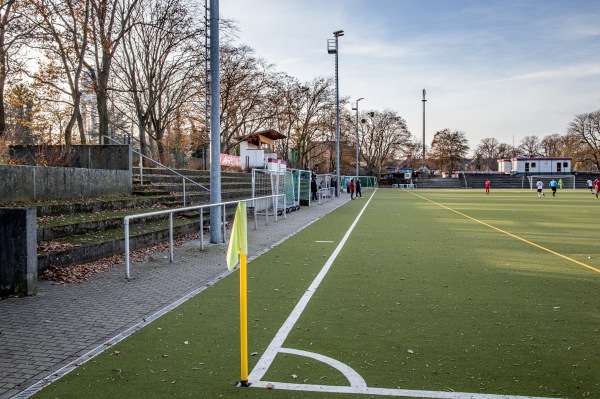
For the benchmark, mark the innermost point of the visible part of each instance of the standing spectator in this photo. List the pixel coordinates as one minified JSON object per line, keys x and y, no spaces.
{"x":597,"y":185}
{"x":560,"y":183}
{"x":351,"y":189}
{"x":590,"y":186}
{"x":334,"y":185}
{"x":553,"y":185}
{"x":487,"y":187}
{"x":358,"y":189}
{"x":313,"y":188}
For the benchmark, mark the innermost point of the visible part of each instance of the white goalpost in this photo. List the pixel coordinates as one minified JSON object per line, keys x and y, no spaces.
{"x":568,"y":181}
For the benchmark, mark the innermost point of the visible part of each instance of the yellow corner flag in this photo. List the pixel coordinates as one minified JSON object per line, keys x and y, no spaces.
{"x":238,"y":243}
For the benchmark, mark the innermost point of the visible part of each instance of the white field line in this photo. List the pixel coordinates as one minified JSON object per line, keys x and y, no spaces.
{"x":384,"y":391}
{"x":275,"y":346}
{"x":357,"y":383}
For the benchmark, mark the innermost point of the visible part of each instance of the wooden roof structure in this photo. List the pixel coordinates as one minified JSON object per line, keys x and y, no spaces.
{"x":268,"y":136}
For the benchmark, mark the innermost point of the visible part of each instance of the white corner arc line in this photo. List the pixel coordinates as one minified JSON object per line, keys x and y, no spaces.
{"x":268,"y":357}
{"x":355,"y":379}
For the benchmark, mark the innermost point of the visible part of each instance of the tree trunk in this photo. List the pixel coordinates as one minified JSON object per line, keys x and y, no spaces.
{"x":2,"y":85}
{"x":102,"y":97}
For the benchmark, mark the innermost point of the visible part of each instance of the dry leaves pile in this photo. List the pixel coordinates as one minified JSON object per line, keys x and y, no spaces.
{"x":80,"y":273}
{"x":51,"y":246}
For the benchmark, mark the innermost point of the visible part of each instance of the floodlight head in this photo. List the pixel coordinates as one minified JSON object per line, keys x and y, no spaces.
{"x":360,"y":99}
{"x":338,"y":33}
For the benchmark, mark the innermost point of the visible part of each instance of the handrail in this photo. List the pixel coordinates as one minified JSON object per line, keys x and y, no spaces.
{"x":159,"y":164}
{"x":170,"y":212}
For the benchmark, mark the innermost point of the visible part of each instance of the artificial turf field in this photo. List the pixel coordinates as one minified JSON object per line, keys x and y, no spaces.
{"x":434,"y":293}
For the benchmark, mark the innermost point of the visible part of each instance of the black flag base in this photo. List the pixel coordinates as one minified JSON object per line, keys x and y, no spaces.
{"x":243,"y":383}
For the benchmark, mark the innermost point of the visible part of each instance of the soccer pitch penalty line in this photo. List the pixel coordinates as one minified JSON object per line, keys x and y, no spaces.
{"x":509,"y":234}
{"x":357,"y":384}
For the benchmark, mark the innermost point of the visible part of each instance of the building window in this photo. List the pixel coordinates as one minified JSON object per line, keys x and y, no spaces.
{"x":526,"y":166}
{"x":565,"y":164}
{"x":558,"y":164}
{"x":533,"y":164}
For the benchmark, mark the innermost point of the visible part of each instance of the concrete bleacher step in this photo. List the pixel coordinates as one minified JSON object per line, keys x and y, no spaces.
{"x":84,"y":231}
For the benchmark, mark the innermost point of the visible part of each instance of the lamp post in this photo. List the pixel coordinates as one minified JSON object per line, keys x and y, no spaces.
{"x":424,"y":101}
{"x":357,"y":143}
{"x":332,"y":48}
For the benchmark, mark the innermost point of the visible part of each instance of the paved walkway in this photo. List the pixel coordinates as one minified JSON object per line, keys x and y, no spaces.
{"x":40,"y":335}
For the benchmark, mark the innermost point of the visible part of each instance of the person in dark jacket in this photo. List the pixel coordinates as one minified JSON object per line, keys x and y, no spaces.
{"x":313,"y":189}
{"x":357,"y":188}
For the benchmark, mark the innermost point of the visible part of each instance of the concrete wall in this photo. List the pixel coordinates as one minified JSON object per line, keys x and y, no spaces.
{"x":18,"y":251}
{"x":37,"y":183}
{"x":75,"y":156}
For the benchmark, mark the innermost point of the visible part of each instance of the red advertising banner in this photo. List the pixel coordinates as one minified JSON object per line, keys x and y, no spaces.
{"x":231,"y":160}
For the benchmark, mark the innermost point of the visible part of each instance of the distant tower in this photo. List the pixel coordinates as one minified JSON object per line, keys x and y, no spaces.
{"x":424,"y":101}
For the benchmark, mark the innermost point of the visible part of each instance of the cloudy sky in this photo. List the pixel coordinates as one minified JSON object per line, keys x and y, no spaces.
{"x":492,"y":68}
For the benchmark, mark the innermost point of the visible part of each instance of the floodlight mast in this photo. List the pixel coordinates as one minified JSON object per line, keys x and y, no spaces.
{"x":424,"y":101}
{"x":332,"y":48}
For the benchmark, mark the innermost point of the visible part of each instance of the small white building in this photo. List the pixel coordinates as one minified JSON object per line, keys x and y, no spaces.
{"x":505,"y":165}
{"x":257,"y":150}
{"x":540,"y":165}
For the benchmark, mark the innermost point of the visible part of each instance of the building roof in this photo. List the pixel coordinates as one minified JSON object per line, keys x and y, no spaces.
{"x":543,"y":158}
{"x":255,"y":138}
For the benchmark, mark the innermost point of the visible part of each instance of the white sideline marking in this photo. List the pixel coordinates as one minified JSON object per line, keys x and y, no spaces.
{"x":357,"y":384}
{"x":329,"y":242}
{"x":267,"y":358}
{"x":384,"y":391}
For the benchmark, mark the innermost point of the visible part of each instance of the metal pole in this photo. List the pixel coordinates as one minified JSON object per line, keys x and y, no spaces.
{"x":337,"y":115}
{"x":126,"y":222}
{"x":424,"y":101}
{"x":171,"y":237}
{"x":215,"y":126}
{"x":357,"y":142}
{"x":202,"y":228}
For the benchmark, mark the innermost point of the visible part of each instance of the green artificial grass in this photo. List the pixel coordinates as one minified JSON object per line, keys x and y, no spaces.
{"x":420,"y":297}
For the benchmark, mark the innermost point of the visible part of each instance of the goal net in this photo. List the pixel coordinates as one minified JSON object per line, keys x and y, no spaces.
{"x":266,"y":183}
{"x":568,"y":181}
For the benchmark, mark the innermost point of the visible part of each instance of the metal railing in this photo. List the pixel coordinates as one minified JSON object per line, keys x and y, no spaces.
{"x":201,"y":208}
{"x":141,"y":166}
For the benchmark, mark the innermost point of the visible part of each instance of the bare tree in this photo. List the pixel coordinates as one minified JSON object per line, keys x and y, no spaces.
{"x":110,"y":20}
{"x":246,"y":86}
{"x":530,"y":146}
{"x":382,"y":136}
{"x":157,"y":67}
{"x":551,"y":145}
{"x":63,"y":38}
{"x":448,"y":149}
{"x":14,"y":33}
{"x":586,"y":128}
{"x":287,"y":104}
{"x":487,"y":153}
{"x":315,"y":121}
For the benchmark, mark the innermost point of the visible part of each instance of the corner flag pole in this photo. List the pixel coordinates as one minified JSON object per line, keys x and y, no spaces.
{"x":238,"y":244}
{"x":243,"y":322}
